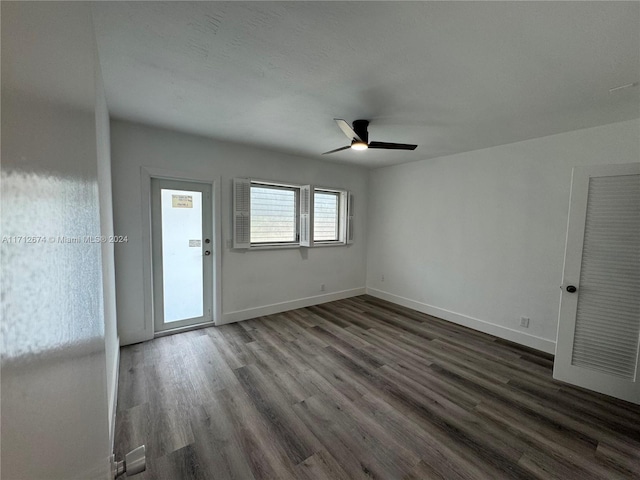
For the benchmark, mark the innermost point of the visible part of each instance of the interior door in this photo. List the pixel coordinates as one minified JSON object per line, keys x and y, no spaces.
{"x":182,"y":253}
{"x":599,"y":322}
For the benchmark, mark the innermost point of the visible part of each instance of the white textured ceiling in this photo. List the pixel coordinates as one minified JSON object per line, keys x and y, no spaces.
{"x":449,"y":76}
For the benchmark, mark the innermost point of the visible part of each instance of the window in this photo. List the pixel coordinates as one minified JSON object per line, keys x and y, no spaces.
{"x":271,"y":214}
{"x":274,"y":214}
{"x":326,"y":216}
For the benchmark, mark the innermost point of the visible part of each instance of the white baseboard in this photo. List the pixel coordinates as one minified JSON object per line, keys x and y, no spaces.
{"x":525,"y":339}
{"x":129,"y":338}
{"x":239,"y":315}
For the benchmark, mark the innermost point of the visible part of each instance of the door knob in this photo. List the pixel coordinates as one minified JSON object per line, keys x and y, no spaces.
{"x":571,"y":289}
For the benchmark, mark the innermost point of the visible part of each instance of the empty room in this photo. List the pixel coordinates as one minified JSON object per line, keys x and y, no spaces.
{"x":320,"y":240}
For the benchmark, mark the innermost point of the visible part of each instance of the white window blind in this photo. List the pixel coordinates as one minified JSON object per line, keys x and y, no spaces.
{"x":326,"y":216}
{"x":273,"y":214}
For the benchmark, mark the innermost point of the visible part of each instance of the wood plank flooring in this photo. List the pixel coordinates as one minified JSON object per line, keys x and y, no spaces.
{"x":361,"y":389}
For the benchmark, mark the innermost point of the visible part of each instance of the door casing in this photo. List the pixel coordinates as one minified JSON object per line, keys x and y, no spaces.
{"x":157,"y":185}
{"x":146,"y":174}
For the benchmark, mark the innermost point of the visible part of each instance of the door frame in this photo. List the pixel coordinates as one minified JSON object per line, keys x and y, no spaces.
{"x":146,"y":174}
{"x":563,"y":369}
{"x":158,"y":185}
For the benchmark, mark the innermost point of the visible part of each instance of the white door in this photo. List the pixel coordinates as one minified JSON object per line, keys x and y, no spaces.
{"x":599,"y":322}
{"x":182,"y":253}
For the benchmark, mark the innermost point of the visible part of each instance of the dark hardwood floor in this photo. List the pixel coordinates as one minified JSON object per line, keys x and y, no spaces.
{"x":359,"y":389}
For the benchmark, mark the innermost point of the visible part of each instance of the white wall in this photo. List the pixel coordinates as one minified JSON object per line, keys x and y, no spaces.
{"x":253,"y":282}
{"x":112,"y":342}
{"x":478,"y":238}
{"x":55,"y":422}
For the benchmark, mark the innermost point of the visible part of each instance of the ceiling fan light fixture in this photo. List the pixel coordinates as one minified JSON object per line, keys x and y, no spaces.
{"x":360,"y":138}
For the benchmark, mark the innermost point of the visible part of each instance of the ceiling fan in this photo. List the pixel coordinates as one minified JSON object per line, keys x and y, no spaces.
{"x":360,"y":138}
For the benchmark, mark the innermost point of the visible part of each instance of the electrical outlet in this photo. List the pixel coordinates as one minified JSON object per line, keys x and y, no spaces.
{"x":524,"y":322}
{"x":322,"y":287}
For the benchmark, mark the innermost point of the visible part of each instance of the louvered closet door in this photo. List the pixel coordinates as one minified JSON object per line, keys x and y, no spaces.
{"x":599,"y":323}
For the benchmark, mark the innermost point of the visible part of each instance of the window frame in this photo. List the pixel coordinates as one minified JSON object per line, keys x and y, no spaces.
{"x":340,"y":216}
{"x":278,"y":186}
{"x":304,"y":215}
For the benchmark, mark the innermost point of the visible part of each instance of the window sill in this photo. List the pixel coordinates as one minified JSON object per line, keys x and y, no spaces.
{"x":273,"y":247}
{"x":289,"y":247}
{"x":329,"y":244}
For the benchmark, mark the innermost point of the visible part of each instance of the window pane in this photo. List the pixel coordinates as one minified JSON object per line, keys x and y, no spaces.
{"x":273,"y":215}
{"x":325,"y":221}
{"x":182,"y":254}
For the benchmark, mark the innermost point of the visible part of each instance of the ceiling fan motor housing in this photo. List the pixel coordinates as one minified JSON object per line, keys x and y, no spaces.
{"x":360,"y":127}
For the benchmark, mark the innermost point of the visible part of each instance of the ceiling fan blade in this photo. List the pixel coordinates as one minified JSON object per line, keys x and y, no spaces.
{"x":337,"y":150}
{"x":392,"y":146}
{"x":346,"y":128}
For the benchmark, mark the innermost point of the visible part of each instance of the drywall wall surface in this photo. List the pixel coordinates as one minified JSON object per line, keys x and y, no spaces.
{"x":54,"y":409}
{"x":112,"y":343}
{"x":54,"y":392}
{"x":253,"y":282}
{"x":478,"y":238}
